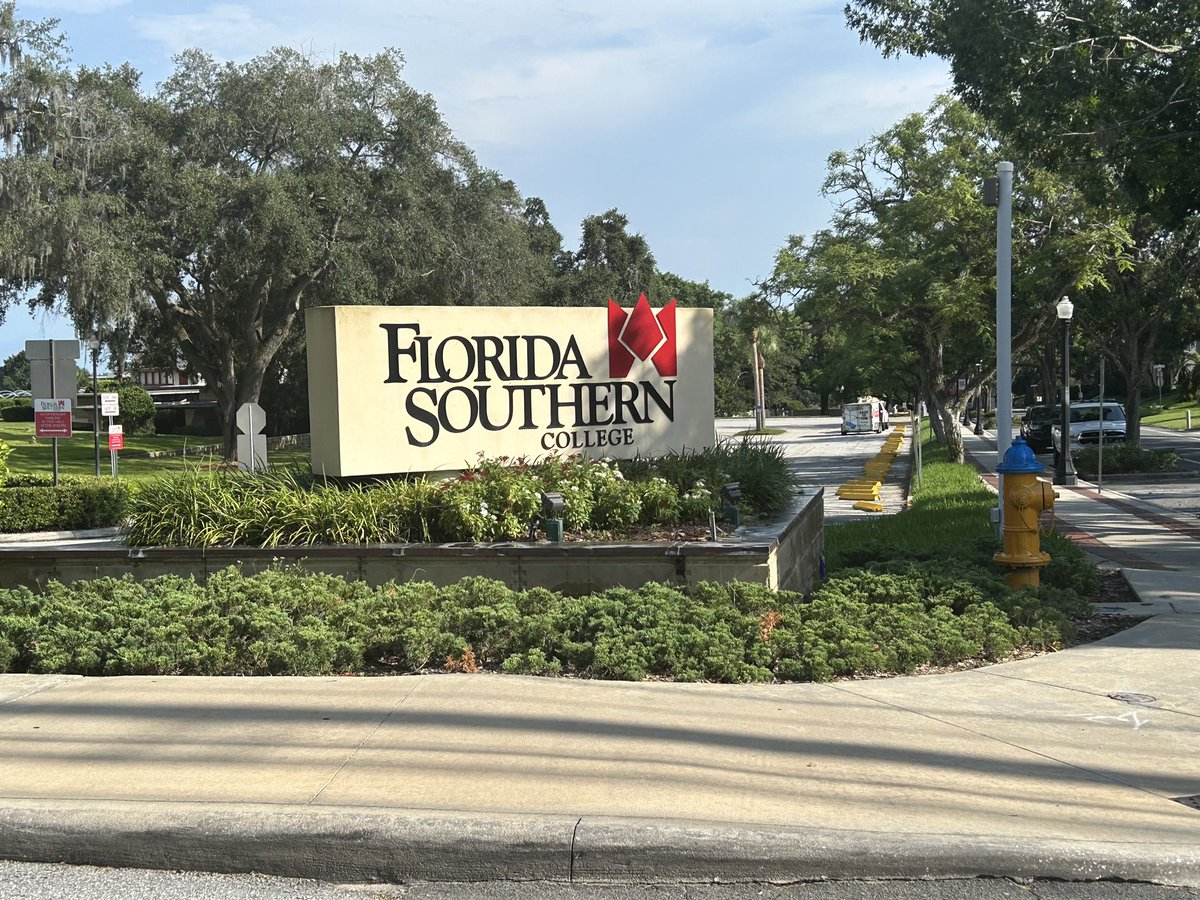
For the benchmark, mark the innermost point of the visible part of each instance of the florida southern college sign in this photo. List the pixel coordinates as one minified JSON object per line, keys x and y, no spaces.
{"x":422,"y":388}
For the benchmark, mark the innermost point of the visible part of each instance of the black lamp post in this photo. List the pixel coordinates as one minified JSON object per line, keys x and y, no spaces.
{"x":93,"y":344}
{"x":1064,"y":468}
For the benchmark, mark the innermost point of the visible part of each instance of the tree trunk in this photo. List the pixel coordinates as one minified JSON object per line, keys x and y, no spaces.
{"x":951,"y":414}
{"x":933,"y":410}
{"x":1049,"y":374}
{"x":1133,"y":414}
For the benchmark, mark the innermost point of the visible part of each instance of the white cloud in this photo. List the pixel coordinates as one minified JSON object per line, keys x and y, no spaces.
{"x":570,"y":94}
{"x":72,"y":6}
{"x":227,"y":30}
{"x":707,"y":121}
{"x":508,"y":73}
{"x":851,"y":103}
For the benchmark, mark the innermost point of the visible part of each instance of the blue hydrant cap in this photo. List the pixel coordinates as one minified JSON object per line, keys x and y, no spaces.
{"x":1019,"y":460}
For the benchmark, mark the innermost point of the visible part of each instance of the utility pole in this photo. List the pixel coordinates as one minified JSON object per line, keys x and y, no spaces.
{"x":997,"y":192}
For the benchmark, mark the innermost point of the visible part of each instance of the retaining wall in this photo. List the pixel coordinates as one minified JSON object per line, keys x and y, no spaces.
{"x":783,"y":554}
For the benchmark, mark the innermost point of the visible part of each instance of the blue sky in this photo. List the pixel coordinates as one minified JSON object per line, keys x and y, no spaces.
{"x":706,"y":122}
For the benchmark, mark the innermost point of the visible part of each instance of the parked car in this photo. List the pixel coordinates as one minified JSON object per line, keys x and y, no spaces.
{"x":1086,"y":426}
{"x":1036,"y":424}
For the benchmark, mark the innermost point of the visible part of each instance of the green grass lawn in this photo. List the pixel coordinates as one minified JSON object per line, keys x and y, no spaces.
{"x":949,"y":512}
{"x":1172,"y":413}
{"x":76,"y":455}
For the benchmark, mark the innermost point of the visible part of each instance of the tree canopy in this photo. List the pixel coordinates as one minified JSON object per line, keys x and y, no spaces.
{"x":1104,"y":90}
{"x":904,"y":277}
{"x":239,"y":193}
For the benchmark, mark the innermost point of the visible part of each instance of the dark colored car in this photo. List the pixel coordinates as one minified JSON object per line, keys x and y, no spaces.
{"x":1036,"y":424}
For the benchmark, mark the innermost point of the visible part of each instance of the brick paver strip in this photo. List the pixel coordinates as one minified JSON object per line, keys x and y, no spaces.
{"x":1089,"y":541}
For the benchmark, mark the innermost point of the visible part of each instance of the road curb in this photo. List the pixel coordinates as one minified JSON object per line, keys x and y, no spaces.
{"x":50,"y":537}
{"x":367,"y":845}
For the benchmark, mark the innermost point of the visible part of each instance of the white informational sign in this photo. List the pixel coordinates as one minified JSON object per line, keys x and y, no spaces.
{"x":425,"y":388}
{"x":251,"y":444}
{"x":110,"y":405}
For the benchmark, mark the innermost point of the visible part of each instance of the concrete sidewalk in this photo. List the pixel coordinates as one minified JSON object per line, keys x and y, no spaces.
{"x":1115,"y":528}
{"x":1077,"y":765}
{"x":1083,"y":764}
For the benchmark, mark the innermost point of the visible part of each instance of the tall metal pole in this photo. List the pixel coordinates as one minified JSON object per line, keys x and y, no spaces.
{"x":1004,"y":172}
{"x":53,"y":396}
{"x":1004,"y":310}
{"x":1100,"y":452}
{"x":95,"y":402}
{"x":759,"y":412}
{"x":1064,"y":468}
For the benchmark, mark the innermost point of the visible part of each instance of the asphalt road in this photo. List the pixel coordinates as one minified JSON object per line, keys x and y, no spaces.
{"x":30,"y":881}
{"x":824,"y":457}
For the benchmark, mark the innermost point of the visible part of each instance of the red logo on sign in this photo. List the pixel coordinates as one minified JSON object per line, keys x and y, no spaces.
{"x":641,"y":334}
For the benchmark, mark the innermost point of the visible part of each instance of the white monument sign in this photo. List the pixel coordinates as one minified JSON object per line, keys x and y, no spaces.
{"x":418,"y":389}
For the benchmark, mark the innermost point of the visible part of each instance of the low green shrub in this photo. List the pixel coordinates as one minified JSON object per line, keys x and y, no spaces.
{"x":759,"y":466}
{"x":287,"y":622}
{"x":33,"y":503}
{"x":1121,"y":459}
{"x":137,"y":409}
{"x":18,"y":412}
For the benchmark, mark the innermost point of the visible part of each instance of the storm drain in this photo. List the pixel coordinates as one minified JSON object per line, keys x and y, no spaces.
{"x":1193,"y":802}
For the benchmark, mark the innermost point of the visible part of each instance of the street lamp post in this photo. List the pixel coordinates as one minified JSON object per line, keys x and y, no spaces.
{"x":1064,"y":468}
{"x":93,"y":344}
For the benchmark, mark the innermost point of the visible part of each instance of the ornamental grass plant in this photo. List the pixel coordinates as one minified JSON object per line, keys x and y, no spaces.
{"x":496,"y":499}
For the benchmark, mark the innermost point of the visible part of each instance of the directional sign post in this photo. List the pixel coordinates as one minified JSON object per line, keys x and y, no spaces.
{"x":52,"y":418}
{"x":116,"y":441}
{"x":52,"y":375}
{"x":251,"y":443}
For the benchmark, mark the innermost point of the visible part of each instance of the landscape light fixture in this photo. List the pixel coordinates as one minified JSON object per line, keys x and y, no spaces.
{"x":552,"y":507}
{"x":731,"y":493}
{"x":1064,"y":468}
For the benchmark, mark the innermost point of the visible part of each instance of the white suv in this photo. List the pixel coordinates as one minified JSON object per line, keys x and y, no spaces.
{"x":1086,"y":425}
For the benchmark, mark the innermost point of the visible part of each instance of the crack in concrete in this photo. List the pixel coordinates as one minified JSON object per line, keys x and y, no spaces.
{"x":1100,"y":776}
{"x":353,"y":753}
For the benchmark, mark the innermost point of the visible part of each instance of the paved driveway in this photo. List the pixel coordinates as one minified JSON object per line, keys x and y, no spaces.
{"x":825,"y":457}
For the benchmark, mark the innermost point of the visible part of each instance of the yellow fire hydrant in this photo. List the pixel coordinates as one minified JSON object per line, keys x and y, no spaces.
{"x":1025,"y":496}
